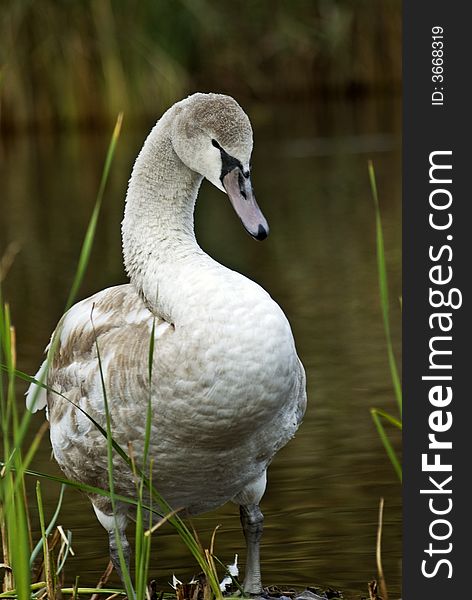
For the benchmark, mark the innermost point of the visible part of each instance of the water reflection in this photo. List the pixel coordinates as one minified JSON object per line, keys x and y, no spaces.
{"x":310,"y":177}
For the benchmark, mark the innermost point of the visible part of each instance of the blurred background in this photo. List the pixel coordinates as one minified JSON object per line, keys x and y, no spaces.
{"x":78,"y":62}
{"x":321,"y":82}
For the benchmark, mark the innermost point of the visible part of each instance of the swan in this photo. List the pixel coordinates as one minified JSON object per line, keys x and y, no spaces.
{"x":227,"y":387}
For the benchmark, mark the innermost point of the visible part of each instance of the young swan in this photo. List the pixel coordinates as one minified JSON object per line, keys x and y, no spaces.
{"x":227,"y":389}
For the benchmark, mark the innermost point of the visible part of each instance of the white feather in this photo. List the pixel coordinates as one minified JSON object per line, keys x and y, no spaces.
{"x":233,"y":573}
{"x":36,"y":395}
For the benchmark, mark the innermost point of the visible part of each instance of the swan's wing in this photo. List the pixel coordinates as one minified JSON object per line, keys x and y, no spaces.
{"x":117,"y":320}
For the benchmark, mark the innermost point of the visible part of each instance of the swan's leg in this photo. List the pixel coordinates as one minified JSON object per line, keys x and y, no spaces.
{"x":116,"y":525}
{"x":252,"y":521}
{"x":114,"y":552}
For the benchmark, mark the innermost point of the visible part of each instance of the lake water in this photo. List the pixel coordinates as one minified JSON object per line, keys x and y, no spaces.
{"x":310,"y":178}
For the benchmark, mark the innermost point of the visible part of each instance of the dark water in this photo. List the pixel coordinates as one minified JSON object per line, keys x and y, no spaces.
{"x":310,"y":177}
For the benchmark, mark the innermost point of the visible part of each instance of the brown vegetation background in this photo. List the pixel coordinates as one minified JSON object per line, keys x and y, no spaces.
{"x":69,"y":62}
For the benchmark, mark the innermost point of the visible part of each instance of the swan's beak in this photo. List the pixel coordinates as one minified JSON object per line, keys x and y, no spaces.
{"x":241,"y":195}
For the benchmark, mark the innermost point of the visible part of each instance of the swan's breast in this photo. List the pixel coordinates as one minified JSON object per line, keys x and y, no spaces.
{"x":233,"y":365}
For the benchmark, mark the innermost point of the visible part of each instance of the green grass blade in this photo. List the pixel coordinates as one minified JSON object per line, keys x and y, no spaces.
{"x":13,"y":510}
{"x":86,"y":590}
{"x":44,"y":539}
{"x":383,"y":287}
{"x":92,"y":226}
{"x":50,"y":527}
{"x":147,"y":439}
{"x":111,"y":482}
{"x":386,"y":443}
{"x":86,"y":489}
{"x":390,"y":418}
{"x":33,"y":587}
{"x":16,"y":523}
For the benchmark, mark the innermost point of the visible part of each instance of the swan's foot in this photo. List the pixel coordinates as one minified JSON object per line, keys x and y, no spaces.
{"x":252,"y":521}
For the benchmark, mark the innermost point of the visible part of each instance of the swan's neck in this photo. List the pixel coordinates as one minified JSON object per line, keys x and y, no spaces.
{"x":157,"y":229}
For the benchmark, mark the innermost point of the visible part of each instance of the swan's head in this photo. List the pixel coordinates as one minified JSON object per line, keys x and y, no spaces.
{"x":212,"y":135}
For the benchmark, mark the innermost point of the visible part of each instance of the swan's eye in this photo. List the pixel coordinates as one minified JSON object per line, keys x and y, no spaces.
{"x":215,"y":143}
